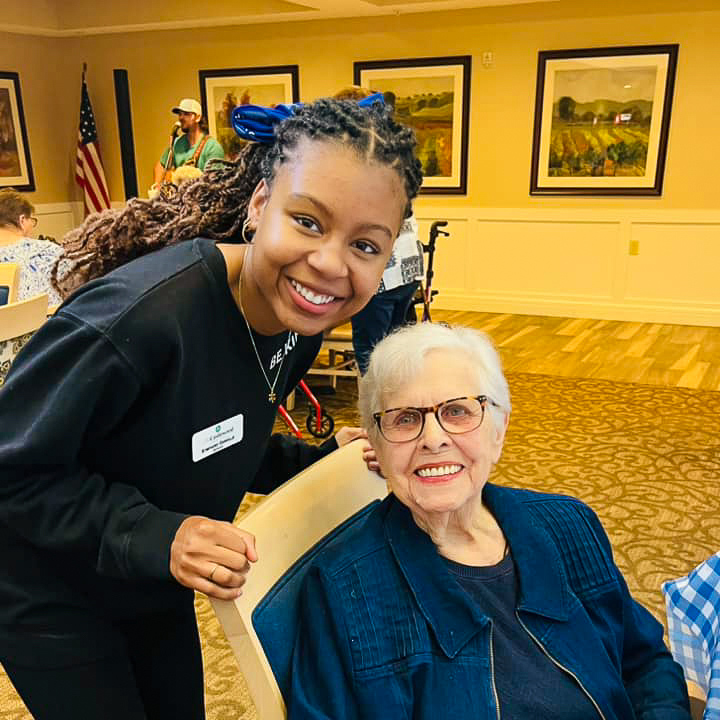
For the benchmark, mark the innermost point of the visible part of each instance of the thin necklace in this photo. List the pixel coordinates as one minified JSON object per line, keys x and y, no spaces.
{"x":271,"y":395}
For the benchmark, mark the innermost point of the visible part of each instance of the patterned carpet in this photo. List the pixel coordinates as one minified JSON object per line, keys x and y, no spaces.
{"x":646,"y":458}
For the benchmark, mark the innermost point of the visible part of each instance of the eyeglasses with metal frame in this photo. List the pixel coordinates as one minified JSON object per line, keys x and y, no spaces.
{"x":456,"y":416}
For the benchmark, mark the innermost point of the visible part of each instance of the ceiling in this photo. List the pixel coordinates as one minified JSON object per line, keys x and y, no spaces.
{"x":59,"y":18}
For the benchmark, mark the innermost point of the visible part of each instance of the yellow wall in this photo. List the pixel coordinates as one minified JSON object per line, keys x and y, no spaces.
{"x":50,"y":89}
{"x":163,"y":67}
{"x":508,"y":251}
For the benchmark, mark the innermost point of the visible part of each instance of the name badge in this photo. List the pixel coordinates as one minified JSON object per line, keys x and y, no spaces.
{"x":217,"y":437}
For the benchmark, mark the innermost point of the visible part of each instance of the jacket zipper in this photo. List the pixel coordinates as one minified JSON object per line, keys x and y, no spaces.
{"x":492,"y":673}
{"x":562,"y":667}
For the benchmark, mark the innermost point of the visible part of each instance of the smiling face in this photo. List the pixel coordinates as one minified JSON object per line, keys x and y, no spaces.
{"x":188,"y":120}
{"x":324,"y":231}
{"x":440,"y":472}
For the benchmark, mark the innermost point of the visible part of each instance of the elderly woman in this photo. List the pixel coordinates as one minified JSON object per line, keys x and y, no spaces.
{"x":35,"y":257}
{"x":462,"y":599}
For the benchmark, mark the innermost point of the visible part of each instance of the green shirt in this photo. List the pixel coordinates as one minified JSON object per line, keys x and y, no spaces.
{"x":183,"y":152}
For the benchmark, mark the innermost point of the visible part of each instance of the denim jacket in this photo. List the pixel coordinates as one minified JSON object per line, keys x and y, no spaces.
{"x":387,"y":632}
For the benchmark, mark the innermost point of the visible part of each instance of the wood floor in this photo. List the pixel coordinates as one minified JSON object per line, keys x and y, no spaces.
{"x":648,"y":353}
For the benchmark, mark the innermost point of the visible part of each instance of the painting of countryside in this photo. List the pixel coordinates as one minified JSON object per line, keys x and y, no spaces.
{"x":224,"y":98}
{"x":601,"y":120}
{"x":426,"y":104}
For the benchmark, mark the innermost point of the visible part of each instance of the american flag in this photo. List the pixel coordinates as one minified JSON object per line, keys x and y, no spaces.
{"x":89,"y":171}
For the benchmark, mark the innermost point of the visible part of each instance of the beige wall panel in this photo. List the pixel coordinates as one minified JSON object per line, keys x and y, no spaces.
{"x":451,"y":264}
{"x":552,"y":259}
{"x":56,"y":219}
{"x":676,"y":262}
{"x":577,"y":264}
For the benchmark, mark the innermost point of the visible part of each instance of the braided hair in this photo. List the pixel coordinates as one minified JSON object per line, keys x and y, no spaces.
{"x":215,"y":204}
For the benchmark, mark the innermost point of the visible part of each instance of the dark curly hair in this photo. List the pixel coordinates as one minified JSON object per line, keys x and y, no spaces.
{"x":215,"y":204}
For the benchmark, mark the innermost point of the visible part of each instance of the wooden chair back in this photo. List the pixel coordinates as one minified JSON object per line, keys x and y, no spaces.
{"x":291,"y":526}
{"x":18,"y":321}
{"x":22,"y":317}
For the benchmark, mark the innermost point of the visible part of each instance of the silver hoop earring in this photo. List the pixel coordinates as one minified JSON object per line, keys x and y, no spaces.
{"x":245,"y":228}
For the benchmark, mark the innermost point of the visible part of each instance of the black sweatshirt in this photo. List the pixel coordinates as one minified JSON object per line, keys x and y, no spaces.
{"x":97,"y":418}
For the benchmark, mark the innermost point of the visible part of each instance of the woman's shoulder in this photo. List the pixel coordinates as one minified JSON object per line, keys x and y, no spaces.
{"x":359,"y":543}
{"x":535,"y":498}
{"x":572,"y":527}
{"x":28,"y":249}
{"x":154,"y":285}
{"x":567,"y":519}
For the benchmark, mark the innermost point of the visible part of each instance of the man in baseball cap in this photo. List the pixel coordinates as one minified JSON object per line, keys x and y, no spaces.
{"x":190,"y":145}
{"x":188,"y":105}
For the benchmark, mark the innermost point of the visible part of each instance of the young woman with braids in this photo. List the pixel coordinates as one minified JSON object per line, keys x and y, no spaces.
{"x":138,"y":416}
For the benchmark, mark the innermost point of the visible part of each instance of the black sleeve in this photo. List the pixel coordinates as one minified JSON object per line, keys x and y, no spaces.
{"x":285,"y":456}
{"x":68,"y":388}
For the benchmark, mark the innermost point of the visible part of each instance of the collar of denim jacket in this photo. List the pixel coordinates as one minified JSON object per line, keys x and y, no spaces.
{"x":448,"y":609}
{"x":543,"y":583}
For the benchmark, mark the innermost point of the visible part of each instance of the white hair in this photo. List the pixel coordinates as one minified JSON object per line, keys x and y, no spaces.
{"x":400,"y":357}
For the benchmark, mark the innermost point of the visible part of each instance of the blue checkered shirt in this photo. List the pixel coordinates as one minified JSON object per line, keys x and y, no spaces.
{"x":693,"y":613}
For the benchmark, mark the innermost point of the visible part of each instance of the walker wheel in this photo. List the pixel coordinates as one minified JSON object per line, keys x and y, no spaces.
{"x":326,"y":426}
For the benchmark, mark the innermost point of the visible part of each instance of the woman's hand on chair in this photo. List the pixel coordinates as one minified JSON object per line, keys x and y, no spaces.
{"x":348,"y":434}
{"x":212,"y":556}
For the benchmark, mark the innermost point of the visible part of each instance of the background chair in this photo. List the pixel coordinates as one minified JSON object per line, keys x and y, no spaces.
{"x":316,"y":508}
{"x":9,"y":281}
{"x":18,"y":321}
{"x":337,"y":343}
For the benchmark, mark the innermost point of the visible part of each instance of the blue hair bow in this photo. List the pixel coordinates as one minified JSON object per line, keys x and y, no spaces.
{"x":252,"y":122}
{"x":256,"y":123}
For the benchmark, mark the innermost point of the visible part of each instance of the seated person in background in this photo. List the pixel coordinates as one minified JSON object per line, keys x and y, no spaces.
{"x":458,"y":598}
{"x":35,"y":257}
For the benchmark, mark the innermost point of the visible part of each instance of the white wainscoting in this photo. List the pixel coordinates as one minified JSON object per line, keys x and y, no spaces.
{"x":573,"y":263}
{"x":56,"y":219}
{"x":577,"y":263}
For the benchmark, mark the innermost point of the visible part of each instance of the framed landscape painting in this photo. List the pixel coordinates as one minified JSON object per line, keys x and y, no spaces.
{"x":602,"y":118}
{"x":221,"y":90}
{"x":431,"y":95}
{"x":15,"y":166}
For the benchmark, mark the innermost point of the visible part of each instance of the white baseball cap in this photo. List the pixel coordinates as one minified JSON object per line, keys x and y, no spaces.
{"x":188,"y":105}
